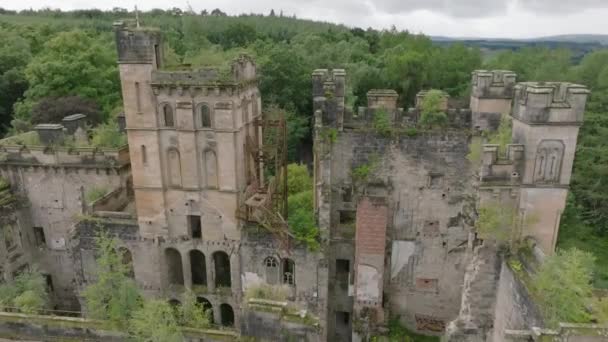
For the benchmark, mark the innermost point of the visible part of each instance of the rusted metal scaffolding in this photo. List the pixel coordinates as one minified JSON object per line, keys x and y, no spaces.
{"x":265,"y":198}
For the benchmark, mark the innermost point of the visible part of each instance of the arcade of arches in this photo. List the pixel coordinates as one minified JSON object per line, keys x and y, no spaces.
{"x":199,"y":270}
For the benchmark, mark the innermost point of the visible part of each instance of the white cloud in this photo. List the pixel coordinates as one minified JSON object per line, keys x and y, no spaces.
{"x":460,"y":18}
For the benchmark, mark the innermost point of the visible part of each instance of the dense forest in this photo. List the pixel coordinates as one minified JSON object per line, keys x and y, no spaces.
{"x":55,"y":63}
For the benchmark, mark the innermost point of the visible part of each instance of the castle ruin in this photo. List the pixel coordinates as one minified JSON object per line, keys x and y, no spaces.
{"x":191,"y":204}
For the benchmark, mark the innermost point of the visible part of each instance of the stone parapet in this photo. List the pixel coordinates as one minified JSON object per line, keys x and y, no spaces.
{"x":63,"y":156}
{"x":549,"y":102}
{"x":502,"y":169}
{"x":493,"y":84}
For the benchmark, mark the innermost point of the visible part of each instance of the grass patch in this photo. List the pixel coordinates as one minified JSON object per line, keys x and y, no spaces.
{"x":266,"y":291}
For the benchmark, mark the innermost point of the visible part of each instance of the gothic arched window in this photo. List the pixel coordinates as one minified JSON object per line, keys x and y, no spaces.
{"x":203,"y":116}
{"x":549,"y":155}
{"x":167,"y":113}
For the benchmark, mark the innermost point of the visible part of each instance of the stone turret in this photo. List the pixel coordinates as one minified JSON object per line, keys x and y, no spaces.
{"x":550,"y":102}
{"x":138,"y":45}
{"x":491,"y":95}
{"x":328,"y":87}
{"x":546,"y":120}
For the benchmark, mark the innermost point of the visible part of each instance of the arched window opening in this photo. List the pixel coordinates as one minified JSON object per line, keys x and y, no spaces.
{"x":227,"y":315}
{"x":211,"y":174}
{"x":205,"y":116}
{"x":127,"y":260}
{"x":174,"y":266}
{"x":168,"y":118}
{"x":175,"y":168}
{"x":206,"y":304}
{"x":222,"y":269}
{"x":289,"y":272}
{"x":198,"y":268}
{"x":272,"y":270}
{"x":144,"y":154}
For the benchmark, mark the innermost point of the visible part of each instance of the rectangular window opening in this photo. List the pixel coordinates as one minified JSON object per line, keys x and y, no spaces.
{"x":157,"y":56}
{"x":137,"y":97}
{"x":342,"y":319}
{"x":348,"y":217}
{"x":194,"y":226}
{"x":342,"y":271}
{"x":49,"y":282}
{"x":39,"y":236}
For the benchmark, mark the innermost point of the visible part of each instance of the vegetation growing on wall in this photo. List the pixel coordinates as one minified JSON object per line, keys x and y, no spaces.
{"x":382,"y":123}
{"x":95,"y":193}
{"x":192,"y":314}
{"x":431,"y":113}
{"x":114,"y":296}
{"x":27,"y":293}
{"x":266,"y":291}
{"x":155,"y":322}
{"x":564,"y":290}
{"x":501,"y":137}
{"x":363,"y":172}
{"x":108,"y":135}
{"x":496,"y":222}
{"x":301,"y":213}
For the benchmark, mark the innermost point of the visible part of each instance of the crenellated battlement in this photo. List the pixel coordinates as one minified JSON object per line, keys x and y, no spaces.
{"x":138,"y":45}
{"x":328,"y":96}
{"x":86,"y":157}
{"x":328,"y":83}
{"x":493,"y":83}
{"x":505,"y":169}
{"x":549,"y":102}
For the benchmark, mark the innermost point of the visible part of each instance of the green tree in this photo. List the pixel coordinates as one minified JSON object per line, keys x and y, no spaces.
{"x":192,"y":314}
{"x":54,"y":109}
{"x":27,"y":292}
{"x":108,"y":135}
{"x":298,"y":179}
{"x":114,"y":296}
{"x":432,"y":114}
{"x":155,"y":322}
{"x":14,"y":56}
{"x":563,"y":287}
{"x":72,"y":63}
{"x":302,"y":219}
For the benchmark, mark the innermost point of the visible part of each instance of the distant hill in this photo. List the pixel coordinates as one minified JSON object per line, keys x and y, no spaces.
{"x":577,"y":38}
{"x":565,"y":38}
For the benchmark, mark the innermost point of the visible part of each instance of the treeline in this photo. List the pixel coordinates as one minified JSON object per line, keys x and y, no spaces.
{"x":49,"y":55}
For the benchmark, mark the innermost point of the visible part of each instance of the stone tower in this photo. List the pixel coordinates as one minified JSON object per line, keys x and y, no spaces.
{"x":546,"y":120}
{"x":491,"y":95}
{"x":186,"y":131}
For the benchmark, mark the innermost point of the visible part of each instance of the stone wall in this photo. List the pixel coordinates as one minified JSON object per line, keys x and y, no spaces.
{"x":272,"y":321}
{"x":15,"y":326}
{"x":425,"y":183}
{"x":515,"y":309}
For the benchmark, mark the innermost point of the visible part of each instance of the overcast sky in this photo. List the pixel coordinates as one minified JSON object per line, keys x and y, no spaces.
{"x":454,"y":18}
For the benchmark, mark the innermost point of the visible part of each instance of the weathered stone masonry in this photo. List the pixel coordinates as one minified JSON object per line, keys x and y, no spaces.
{"x":396,"y":210}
